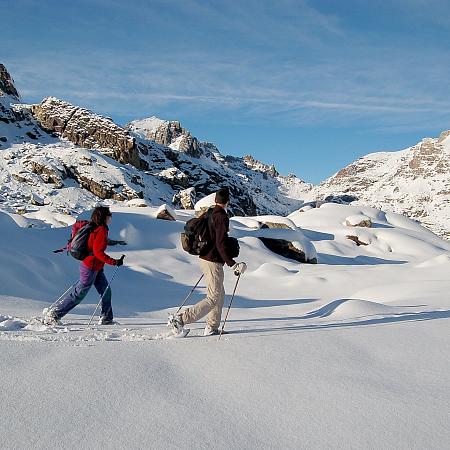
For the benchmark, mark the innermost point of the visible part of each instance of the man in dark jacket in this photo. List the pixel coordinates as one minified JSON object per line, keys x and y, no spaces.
{"x":211,"y":265}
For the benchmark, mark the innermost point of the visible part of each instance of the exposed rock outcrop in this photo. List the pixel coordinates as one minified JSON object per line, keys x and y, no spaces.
{"x":171,"y":134}
{"x":185,"y":198}
{"x":254,"y":164}
{"x":356,"y":240}
{"x":86,"y":129}
{"x":7,"y":83}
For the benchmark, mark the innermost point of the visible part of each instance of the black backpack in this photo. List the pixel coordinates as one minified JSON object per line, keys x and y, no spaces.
{"x":232,"y":247}
{"x":78,"y":242}
{"x":196,"y":238}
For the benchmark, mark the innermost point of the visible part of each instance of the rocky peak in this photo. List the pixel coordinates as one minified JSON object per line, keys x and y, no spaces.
{"x":7,"y":83}
{"x":143,"y":127}
{"x":173,"y":135}
{"x":254,"y":164}
{"x":87,"y":129}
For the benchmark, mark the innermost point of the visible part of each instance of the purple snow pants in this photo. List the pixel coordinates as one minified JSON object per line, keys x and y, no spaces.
{"x":88,"y":278}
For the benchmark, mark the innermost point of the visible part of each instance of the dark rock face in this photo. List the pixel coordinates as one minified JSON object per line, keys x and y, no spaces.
{"x":7,"y":83}
{"x":86,"y":129}
{"x":285,"y":248}
{"x":344,"y":199}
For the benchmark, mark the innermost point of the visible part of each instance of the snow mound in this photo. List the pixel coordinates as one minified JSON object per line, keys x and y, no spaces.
{"x":437,"y":260}
{"x":272,"y":270}
{"x":206,"y":202}
{"x":8,"y":323}
{"x":245,"y":222}
{"x":362,"y":308}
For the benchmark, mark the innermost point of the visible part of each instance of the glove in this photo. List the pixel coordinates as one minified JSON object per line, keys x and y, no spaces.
{"x":119,"y":262}
{"x":239,"y":268}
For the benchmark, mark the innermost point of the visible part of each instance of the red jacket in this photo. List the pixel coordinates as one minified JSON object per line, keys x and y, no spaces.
{"x":97,"y":243}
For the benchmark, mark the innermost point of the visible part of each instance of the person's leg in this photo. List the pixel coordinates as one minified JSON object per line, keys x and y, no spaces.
{"x":212,"y":273}
{"x":216,"y":290}
{"x":77,"y":294}
{"x":101,"y":284}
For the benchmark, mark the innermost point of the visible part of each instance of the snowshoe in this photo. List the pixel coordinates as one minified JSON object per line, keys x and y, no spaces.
{"x":175,"y":321}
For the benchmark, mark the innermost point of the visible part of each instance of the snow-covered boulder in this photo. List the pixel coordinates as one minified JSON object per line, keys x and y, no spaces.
{"x":273,"y":221}
{"x":165,"y":212}
{"x":205,"y":203}
{"x":301,"y":251}
{"x":306,"y":247}
{"x":36,"y":200}
{"x":358,"y":220}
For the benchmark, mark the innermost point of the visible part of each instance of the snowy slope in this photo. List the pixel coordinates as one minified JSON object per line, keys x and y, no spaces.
{"x":351,"y":352}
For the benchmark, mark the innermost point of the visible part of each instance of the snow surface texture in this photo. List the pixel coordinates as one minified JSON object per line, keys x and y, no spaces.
{"x":350,"y":353}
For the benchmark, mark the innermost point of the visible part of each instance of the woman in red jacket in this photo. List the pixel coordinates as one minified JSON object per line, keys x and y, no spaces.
{"x":91,"y":273}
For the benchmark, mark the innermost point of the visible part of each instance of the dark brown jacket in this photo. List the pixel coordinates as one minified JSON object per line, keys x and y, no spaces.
{"x":218,"y":228}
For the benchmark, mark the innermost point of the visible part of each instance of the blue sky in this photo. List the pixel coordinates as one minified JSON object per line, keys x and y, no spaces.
{"x":307,"y":85}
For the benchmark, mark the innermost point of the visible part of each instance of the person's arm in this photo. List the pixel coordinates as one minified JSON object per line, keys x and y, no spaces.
{"x":99,"y":247}
{"x":113,"y":242}
{"x":221,"y":226}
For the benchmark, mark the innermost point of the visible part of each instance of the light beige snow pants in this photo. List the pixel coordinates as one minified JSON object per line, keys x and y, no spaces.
{"x":215,"y":295}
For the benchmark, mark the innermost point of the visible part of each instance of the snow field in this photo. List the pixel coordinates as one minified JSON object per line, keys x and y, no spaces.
{"x":351,"y":352}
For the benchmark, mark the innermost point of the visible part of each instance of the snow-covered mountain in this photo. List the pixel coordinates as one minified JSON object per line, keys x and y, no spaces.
{"x":414,"y":182}
{"x":58,"y":157}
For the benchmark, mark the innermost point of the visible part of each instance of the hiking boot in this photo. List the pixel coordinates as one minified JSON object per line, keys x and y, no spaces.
{"x":212,"y":331}
{"x":183,"y":333}
{"x":105,"y":321}
{"x":176,"y":322}
{"x":50,"y":318}
{"x":209,"y":331}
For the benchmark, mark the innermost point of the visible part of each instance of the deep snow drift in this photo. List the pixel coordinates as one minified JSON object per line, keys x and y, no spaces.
{"x":351,"y":352}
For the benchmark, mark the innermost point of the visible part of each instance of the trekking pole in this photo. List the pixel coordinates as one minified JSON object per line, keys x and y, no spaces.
{"x":229,"y":306}
{"x":63,"y":294}
{"x":190,"y":293}
{"x":104,"y":292}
